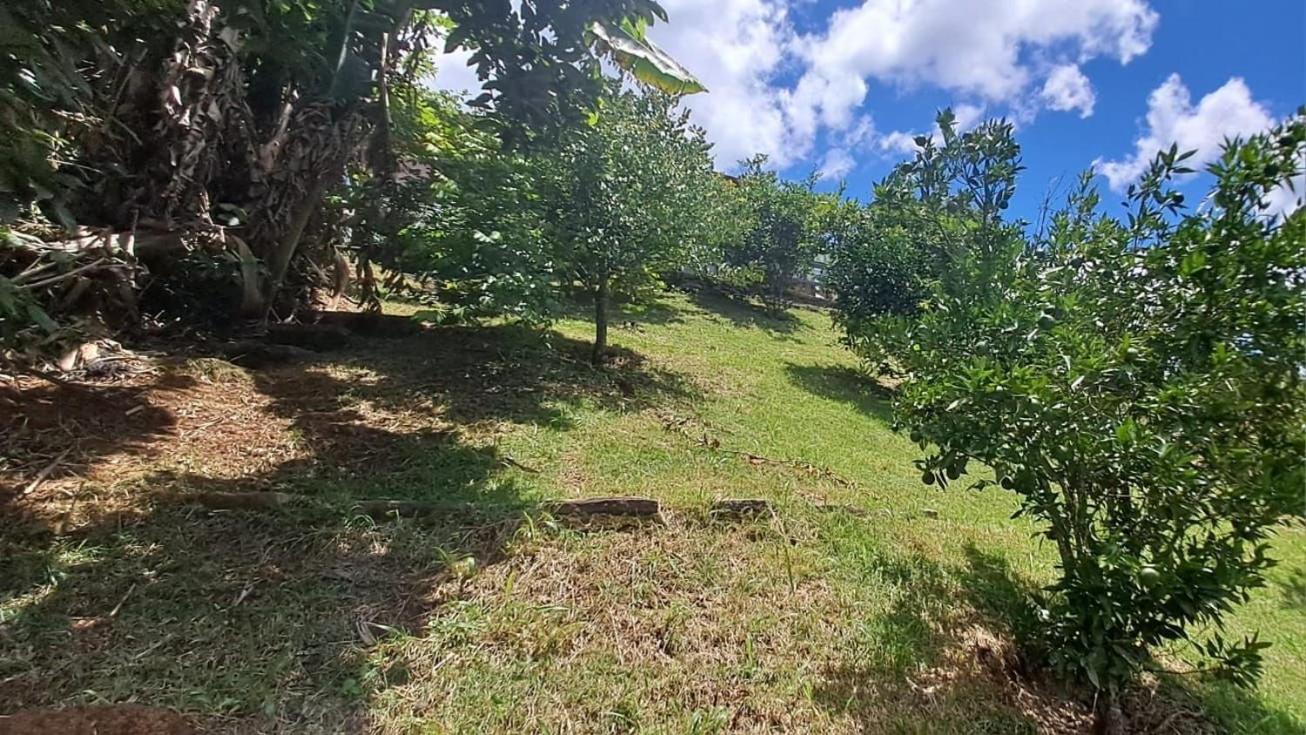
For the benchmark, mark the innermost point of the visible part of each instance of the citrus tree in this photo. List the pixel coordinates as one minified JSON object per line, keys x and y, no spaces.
{"x":462,"y":217}
{"x":784,"y":230}
{"x":629,"y":193}
{"x":930,"y":212}
{"x":1139,"y":387}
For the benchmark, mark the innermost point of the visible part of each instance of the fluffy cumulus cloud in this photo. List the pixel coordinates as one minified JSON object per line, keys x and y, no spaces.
{"x":777,"y":91}
{"x":989,"y":49}
{"x":736,"y":48}
{"x":1002,"y":53}
{"x":1067,"y":88}
{"x":838,"y":162}
{"x":1172,"y":117}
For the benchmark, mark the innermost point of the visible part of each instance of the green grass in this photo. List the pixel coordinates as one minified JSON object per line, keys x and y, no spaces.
{"x":854,"y":610}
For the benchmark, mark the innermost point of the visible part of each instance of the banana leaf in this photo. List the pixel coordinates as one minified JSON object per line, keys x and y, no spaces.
{"x":630,"y":50}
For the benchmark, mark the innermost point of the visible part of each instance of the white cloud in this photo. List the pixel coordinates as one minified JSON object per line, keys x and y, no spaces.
{"x":863,"y":133}
{"x":773,"y":90}
{"x":838,"y":162}
{"x":1283,"y":200}
{"x":988,"y":48}
{"x":968,"y":116}
{"x":1172,"y":117}
{"x":899,"y":141}
{"x":1067,"y":88}
{"x":452,"y":74}
{"x":997,"y":51}
{"x":736,"y":47}
{"x":904,"y":141}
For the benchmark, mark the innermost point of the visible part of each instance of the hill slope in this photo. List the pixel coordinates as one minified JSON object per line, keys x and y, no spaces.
{"x":869,"y":602}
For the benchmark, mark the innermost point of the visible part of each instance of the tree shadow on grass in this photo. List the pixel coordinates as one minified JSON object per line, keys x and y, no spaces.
{"x":926,"y":663}
{"x":251,"y":619}
{"x":846,"y":384}
{"x":263,"y":620}
{"x":508,"y":374}
{"x":625,"y":314}
{"x":1006,"y":600}
{"x":259,"y":616}
{"x":923,"y":663}
{"x":67,"y":428}
{"x":747,"y":315}
{"x":656,"y":311}
{"x":1293,"y":590}
{"x":1173,"y":703}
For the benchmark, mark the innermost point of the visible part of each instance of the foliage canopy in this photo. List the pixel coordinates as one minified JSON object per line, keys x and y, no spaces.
{"x":1139,"y":386}
{"x":627,"y":196}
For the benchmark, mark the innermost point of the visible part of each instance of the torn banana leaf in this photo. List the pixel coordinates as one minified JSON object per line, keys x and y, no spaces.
{"x":642,"y":58}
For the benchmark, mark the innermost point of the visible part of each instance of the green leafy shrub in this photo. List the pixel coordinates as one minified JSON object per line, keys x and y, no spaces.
{"x":464,"y":215}
{"x":782,"y":233}
{"x":1139,"y":386}
{"x":938,"y":208}
{"x":627,"y":196}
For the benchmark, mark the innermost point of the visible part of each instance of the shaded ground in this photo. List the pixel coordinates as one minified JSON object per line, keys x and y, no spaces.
{"x":844,"y":383}
{"x":104,"y":574}
{"x":125,"y":719}
{"x":746,"y":314}
{"x":872,"y":617}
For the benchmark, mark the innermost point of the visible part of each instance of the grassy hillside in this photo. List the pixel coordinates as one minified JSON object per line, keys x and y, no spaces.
{"x":869,"y":603}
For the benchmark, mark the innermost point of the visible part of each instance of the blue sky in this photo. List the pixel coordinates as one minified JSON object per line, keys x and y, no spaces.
{"x":840,"y":86}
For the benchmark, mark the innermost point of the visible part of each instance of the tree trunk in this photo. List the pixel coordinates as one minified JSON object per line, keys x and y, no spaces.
{"x":1108,"y":718}
{"x":600,"y":321}
{"x":251,"y":291}
{"x":289,"y":242}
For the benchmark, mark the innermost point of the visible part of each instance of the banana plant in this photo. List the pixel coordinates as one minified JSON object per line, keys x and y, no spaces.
{"x":563,"y":43}
{"x":627,"y":44}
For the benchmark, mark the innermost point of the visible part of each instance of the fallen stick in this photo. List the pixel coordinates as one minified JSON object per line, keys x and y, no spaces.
{"x":61,"y":277}
{"x":714,"y":445}
{"x":45,"y":472}
{"x":510,"y":462}
{"x":627,"y":507}
{"x":116,"y":608}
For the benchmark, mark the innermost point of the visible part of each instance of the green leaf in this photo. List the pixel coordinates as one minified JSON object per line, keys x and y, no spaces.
{"x":646,"y":61}
{"x":42,"y":319}
{"x":1192,"y":262}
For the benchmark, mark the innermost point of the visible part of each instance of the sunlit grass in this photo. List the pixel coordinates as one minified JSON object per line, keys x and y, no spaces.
{"x":787,"y":389}
{"x":856,"y":609}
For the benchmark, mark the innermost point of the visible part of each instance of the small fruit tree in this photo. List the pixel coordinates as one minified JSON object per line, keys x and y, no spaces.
{"x":786,"y":221}
{"x":928,"y":214}
{"x":627,"y":197}
{"x":1139,"y":386}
